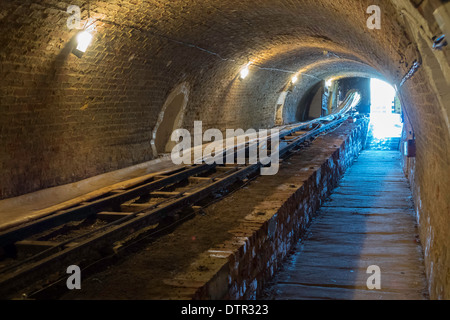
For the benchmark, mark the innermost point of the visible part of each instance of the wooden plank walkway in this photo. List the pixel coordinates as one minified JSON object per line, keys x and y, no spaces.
{"x":368,"y":220}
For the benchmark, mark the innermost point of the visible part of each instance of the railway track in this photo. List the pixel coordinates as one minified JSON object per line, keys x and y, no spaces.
{"x":35,"y":254}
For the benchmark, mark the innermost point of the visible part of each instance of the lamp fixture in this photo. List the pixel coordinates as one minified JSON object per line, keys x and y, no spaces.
{"x":245,"y":72}
{"x":84,"y":39}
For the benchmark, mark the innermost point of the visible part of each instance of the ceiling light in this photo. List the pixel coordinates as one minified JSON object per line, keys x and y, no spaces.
{"x":329,"y":83}
{"x":84,"y":39}
{"x":244,"y":72}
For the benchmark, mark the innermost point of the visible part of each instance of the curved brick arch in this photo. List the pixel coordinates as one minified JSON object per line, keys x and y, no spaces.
{"x":170,"y":118}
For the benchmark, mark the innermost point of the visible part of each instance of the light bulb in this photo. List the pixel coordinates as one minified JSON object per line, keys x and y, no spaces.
{"x":84,"y":38}
{"x":294,"y":79}
{"x":244,"y":72}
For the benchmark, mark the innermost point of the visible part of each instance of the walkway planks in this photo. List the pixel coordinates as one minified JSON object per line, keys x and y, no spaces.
{"x":368,"y":220}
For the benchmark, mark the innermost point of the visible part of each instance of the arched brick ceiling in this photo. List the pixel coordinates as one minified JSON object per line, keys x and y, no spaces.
{"x":217,"y":38}
{"x":266,"y":32}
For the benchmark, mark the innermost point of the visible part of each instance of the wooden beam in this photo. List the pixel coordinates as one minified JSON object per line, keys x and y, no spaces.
{"x":163,"y":194}
{"x":134,"y":207}
{"x":111,"y":216}
{"x":33,"y":247}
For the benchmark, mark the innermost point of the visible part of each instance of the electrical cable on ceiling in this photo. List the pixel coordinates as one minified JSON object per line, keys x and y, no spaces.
{"x":89,"y":23}
{"x":191,"y":45}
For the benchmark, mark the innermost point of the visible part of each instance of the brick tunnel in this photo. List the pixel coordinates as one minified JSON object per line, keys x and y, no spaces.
{"x":91,"y":96}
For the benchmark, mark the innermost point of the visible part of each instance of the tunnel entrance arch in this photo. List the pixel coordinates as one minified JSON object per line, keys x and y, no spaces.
{"x":170,"y":118}
{"x":310,"y":106}
{"x":279,"y":117}
{"x":325,"y":96}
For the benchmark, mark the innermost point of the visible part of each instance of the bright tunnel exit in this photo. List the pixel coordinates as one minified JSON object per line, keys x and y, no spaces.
{"x":385,"y":118}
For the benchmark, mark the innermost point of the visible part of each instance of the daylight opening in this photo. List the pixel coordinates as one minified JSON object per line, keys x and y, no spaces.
{"x":385,"y":116}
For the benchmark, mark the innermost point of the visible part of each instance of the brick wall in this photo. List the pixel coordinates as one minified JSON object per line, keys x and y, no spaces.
{"x":429,"y":177}
{"x":426,"y":102}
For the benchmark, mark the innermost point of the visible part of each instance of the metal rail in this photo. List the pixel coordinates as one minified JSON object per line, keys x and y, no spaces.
{"x":155,"y":199}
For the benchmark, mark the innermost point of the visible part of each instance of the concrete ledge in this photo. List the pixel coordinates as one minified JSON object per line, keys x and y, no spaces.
{"x":240,"y":267}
